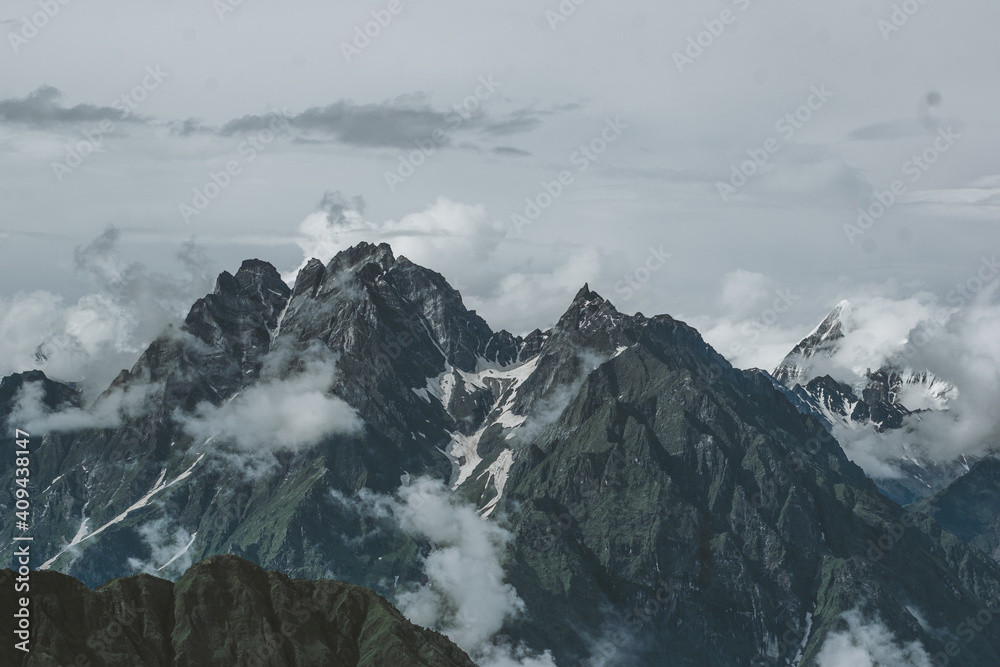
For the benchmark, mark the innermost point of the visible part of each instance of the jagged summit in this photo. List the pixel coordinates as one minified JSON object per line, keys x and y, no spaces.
{"x":865,"y":402}
{"x":361,"y":254}
{"x":822,"y":341}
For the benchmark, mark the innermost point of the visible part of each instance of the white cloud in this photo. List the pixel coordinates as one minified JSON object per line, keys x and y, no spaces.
{"x":170,"y":554}
{"x":515,"y":286}
{"x":288,"y":412}
{"x":757,"y":326}
{"x":745,"y":291}
{"x":447,"y":236}
{"x":952,"y":338}
{"x":107,"y":412}
{"x":528,"y":298}
{"x":465,"y":596}
{"x":964,"y":352}
{"x":869,"y":644}
{"x":91,"y":340}
{"x":958,"y":346}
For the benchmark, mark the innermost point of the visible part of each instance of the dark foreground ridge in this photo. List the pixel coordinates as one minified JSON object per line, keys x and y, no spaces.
{"x":224,"y":611}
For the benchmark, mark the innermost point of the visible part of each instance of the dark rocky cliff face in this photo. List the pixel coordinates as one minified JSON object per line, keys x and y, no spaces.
{"x":969,"y":507}
{"x":662,"y":502}
{"x":224,"y":611}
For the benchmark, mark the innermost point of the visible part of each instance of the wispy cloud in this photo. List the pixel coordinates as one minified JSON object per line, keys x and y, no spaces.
{"x":867,"y":643}
{"x":465,"y":595}
{"x":288,"y":411}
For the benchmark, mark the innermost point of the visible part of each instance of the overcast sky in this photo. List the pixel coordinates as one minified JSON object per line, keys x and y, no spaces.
{"x":315,"y":123}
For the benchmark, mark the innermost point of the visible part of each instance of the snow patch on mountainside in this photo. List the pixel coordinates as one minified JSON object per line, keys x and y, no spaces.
{"x":464,"y":452}
{"x":497,"y":475}
{"x":158,"y":486}
{"x":504,"y":381}
{"x":924,"y":391}
{"x":179,"y":553}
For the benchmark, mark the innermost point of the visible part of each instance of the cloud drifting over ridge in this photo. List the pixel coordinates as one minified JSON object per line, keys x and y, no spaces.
{"x":951,"y":337}
{"x":465,"y":595}
{"x":91,"y":340}
{"x":957,"y":345}
{"x":169,"y":548}
{"x":289,"y":412}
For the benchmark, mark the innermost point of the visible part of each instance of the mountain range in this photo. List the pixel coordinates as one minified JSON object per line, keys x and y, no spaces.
{"x":609,"y":491}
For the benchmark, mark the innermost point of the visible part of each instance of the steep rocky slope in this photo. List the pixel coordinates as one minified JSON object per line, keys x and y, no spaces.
{"x":969,"y":507}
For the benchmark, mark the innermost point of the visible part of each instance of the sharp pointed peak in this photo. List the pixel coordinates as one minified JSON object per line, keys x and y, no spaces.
{"x":831,"y":327}
{"x":823,"y":340}
{"x":586,"y":295}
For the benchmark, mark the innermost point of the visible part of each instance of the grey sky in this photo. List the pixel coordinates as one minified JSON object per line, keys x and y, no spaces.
{"x":530,"y":91}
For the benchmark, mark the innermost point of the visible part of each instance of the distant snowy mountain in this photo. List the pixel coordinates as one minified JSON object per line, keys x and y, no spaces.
{"x":821,"y":342}
{"x":859,"y":402}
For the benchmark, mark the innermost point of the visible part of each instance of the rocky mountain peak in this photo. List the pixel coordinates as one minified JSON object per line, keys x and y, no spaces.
{"x":54,"y":394}
{"x":589,"y":311}
{"x":823,"y":341}
{"x":368,"y":285}
{"x":362,"y":254}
